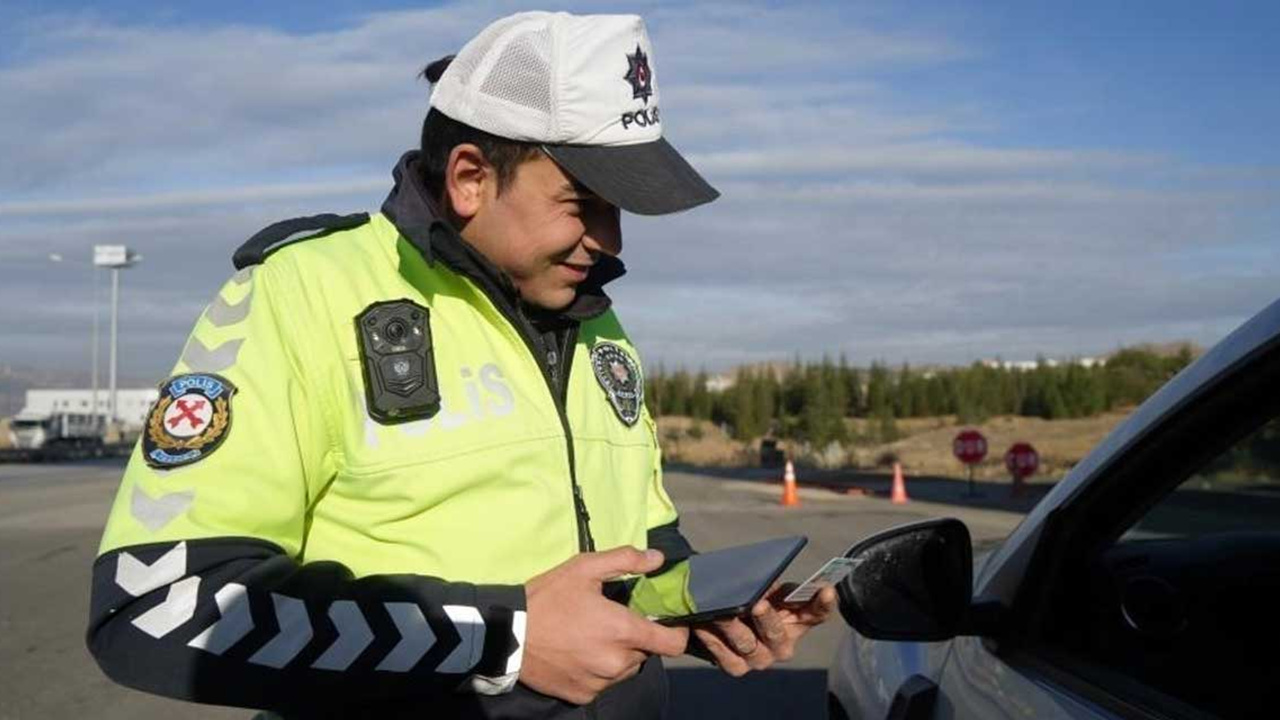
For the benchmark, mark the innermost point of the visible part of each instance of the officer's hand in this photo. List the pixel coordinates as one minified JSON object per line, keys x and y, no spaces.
{"x":579,"y":642}
{"x":769,"y":635}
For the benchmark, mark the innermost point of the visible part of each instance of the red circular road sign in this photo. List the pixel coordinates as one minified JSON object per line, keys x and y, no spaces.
{"x":1022,"y":460}
{"x":969,"y":447}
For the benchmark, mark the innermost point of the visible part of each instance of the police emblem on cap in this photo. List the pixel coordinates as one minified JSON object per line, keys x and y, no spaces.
{"x":620,"y":377}
{"x":189,"y":420}
{"x":639,"y":75}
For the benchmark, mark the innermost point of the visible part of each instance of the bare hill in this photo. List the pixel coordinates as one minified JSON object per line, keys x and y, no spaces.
{"x":923,"y":449}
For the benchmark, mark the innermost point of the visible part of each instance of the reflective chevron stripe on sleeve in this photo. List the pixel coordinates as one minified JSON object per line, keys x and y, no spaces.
{"x":138,"y":578}
{"x":499,"y":684}
{"x":470,"y":626}
{"x":295,"y":633}
{"x":250,"y":611}
{"x":179,"y":606}
{"x":354,"y":636}
{"x":416,"y":638}
{"x":235,"y":623}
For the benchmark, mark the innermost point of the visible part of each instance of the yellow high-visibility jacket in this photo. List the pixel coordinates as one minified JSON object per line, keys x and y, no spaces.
{"x":277,"y":544}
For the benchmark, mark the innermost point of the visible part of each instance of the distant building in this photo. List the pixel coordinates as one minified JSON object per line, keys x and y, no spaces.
{"x":1087,"y":362}
{"x":131,"y":407}
{"x":720,"y":383}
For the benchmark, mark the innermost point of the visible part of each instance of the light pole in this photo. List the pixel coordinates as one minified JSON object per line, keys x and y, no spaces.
{"x":94,"y":411}
{"x":114,"y":257}
{"x":97,"y":414}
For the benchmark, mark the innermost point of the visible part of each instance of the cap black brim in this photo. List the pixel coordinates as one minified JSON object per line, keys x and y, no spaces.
{"x":646,"y":179}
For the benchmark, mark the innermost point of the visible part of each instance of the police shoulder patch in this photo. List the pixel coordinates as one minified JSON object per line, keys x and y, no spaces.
{"x":619,"y":375}
{"x":189,"y":420}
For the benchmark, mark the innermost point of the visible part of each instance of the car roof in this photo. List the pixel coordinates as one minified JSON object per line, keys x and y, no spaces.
{"x":1255,"y":335}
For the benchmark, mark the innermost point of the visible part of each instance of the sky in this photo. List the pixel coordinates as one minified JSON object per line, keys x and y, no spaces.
{"x":933,"y":183}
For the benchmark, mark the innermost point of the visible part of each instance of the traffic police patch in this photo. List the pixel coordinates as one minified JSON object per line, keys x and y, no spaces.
{"x":189,"y":420}
{"x":620,"y":377}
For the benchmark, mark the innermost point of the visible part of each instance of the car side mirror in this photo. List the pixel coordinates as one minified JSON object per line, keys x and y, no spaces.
{"x":912,"y":583}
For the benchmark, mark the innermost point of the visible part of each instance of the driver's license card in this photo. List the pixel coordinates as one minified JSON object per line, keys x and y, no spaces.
{"x":832,"y":572}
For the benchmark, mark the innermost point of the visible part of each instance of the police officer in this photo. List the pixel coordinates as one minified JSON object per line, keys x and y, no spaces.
{"x":401,"y":454}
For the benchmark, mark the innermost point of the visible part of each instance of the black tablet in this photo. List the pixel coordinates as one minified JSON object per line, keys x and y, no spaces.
{"x":718,"y":584}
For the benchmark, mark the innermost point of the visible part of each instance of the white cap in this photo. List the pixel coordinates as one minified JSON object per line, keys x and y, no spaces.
{"x":584,"y":87}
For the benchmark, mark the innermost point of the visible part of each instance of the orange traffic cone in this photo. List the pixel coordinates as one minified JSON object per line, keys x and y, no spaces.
{"x":789,"y":496}
{"x":899,"y":496}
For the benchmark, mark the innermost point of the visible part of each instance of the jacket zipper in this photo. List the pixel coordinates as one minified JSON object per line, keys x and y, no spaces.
{"x":586,"y":543}
{"x":471,"y":265}
{"x":580,"y":505}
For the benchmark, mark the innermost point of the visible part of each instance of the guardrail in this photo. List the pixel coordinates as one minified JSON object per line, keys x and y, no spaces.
{"x":57,"y":454}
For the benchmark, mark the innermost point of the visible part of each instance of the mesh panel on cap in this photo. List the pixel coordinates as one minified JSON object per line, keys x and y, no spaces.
{"x":465,"y":64}
{"x":522,"y":74}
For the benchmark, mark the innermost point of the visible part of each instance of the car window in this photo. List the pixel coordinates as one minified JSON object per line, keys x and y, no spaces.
{"x":1237,"y":491}
{"x":1180,"y":601}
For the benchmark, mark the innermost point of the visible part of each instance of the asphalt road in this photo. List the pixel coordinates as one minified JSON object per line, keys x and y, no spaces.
{"x":51,"y":518}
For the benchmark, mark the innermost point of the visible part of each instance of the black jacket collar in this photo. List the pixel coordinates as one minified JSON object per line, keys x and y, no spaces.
{"x":408,"y":208}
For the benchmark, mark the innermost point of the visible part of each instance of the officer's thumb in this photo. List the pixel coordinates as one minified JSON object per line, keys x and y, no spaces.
{"x":620,"y":561}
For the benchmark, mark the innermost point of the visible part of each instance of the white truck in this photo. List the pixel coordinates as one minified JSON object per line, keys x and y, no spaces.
{"x":56,"y":431}
{"x":61,"y":424}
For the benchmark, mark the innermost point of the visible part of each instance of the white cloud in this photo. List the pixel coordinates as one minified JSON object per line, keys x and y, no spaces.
{"x":256,"y":194}
{"x":856,"y":215}
{"x":763,"y":40}
{"x":929,"y":159}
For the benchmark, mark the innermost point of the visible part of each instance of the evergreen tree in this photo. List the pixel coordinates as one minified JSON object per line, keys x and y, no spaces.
{"x":653,"y":389}
{"x":852,"y":381}
{"x":812,"y":400}
{"x":879,"y":399}
{"x":970,"y":394}
{"x":764,"y":400}
{"x":679,"y":388}
{"x":1134,"y":374}
{"x":747,"y":424}
{"x":1034,"y":395}
{"x":700,"y":397}
{"x":1011,"y":392}
{"x":824,"y":402}
{"x":903,"y":401}
{"x":935,"y":391}
{"x":793,"y":390}
{"x":1055,"y":403}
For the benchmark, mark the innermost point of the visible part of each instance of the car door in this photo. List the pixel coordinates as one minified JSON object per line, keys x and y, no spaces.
{"x":1148,"y":584}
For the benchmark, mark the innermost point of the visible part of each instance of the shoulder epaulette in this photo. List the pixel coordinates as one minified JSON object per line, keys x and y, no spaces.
{"x":286,"y":232}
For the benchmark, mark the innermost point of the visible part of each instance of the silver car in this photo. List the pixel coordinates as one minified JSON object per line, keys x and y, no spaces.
{"x":1146,"y":584}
